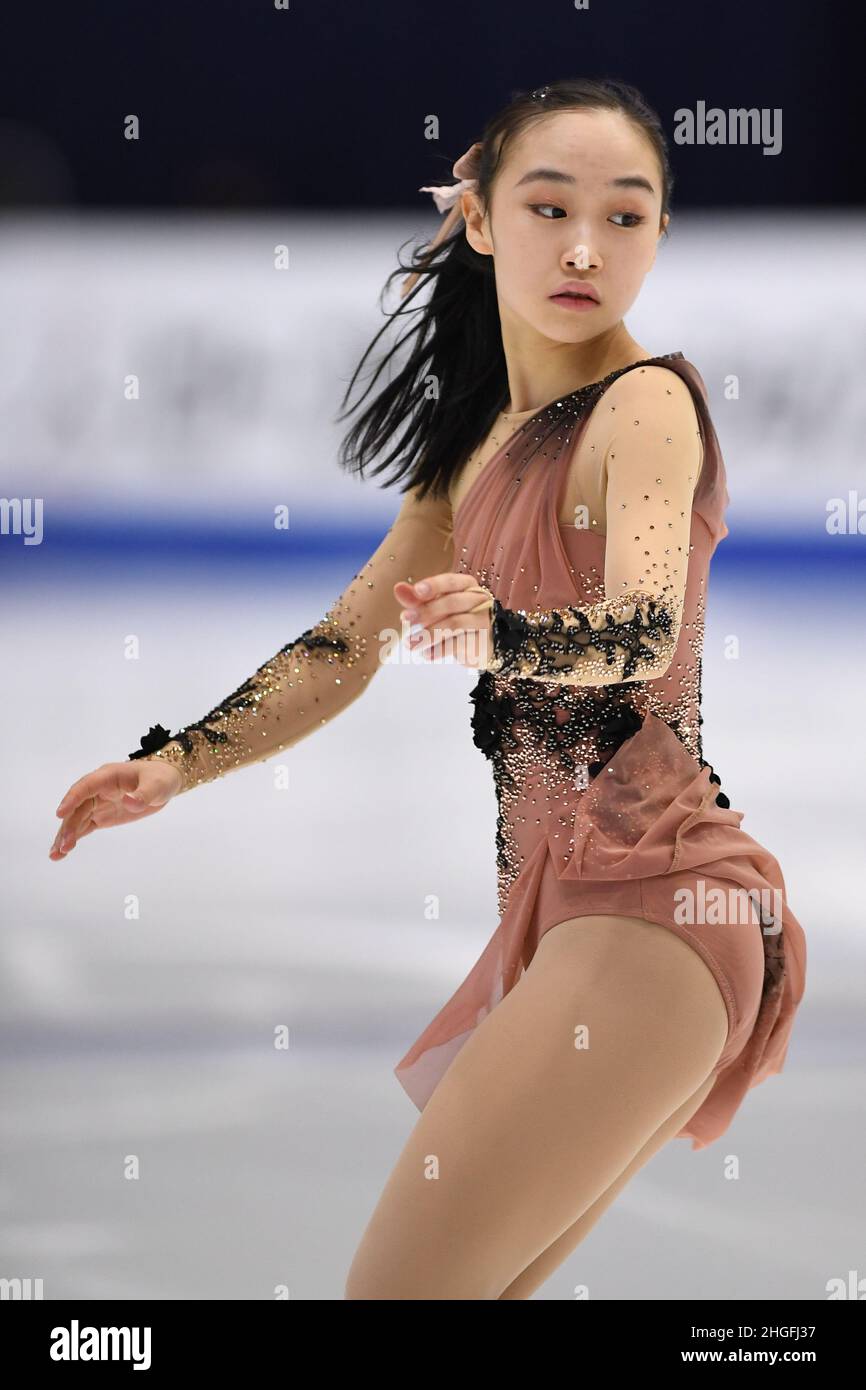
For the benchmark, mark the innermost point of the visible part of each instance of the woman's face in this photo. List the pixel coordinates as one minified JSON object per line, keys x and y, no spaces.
{"x":574,"y":223}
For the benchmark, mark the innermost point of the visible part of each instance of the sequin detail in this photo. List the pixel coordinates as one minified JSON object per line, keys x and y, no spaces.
{"x":593,"y":645}
{"x":605,"y":800}
{"x":546,"y":743}
{"x":228,"y":729}
{"x":565,"y":687}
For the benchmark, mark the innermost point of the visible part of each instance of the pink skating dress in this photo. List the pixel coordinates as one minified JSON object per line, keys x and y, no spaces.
{"x":606,"y":804}
{"x":605,"y":801}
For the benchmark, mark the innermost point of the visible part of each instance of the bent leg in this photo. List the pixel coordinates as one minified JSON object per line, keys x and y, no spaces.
{"x":541,"y":1268}
{"x":613,"y":1027}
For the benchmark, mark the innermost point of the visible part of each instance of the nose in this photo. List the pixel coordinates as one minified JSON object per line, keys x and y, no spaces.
{"x":581,"y":256}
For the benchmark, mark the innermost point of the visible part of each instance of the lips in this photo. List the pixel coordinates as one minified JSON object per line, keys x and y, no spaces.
{"x":573,"y":303}
{"x":574,"y":290}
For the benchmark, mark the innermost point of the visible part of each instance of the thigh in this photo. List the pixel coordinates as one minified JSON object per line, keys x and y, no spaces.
{"x":613,"y":1027}
{"x":546,"y":1263}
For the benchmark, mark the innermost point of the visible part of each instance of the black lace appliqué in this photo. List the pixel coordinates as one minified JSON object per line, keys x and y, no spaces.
{"x":245,"y":695}
{"x":519,"y":636}
{"x":597,"y":716}
{"x":492,"y":718}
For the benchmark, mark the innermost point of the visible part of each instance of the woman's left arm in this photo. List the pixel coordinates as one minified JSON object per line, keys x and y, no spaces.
{"x":652,"y":451}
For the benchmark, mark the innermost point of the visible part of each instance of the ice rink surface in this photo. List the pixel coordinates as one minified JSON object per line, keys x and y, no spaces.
{"x":144,"y":976}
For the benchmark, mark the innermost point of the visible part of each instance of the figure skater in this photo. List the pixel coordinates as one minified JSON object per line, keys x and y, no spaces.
{"x":564,"y":494}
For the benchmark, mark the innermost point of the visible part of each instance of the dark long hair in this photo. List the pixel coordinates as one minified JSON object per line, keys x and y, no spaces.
{"x":442,"y":403}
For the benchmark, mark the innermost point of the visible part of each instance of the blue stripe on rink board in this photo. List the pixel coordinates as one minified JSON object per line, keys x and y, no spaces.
{"x":76,"y":545}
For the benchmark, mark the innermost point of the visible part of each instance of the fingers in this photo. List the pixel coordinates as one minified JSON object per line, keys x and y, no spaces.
{"x":451,"y":614}
{"x":112,"y":779}
{"x":465,"y":639}
{"x":101,"y":816}
{"x":433,"y":587}
{"x":71,"y":829}
{"x":76,"y":824}
{"x":92,"y":800}
{"x":463,"y":636}
{"x":450,"y":594}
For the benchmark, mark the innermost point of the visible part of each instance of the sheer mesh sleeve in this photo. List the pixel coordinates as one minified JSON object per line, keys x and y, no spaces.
{"x":318,"y":674}
{"x":652,"y":459}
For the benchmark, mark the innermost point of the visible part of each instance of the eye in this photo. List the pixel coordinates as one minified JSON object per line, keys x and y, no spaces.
{"x":535,"y":207}
{"x":637,"y":218}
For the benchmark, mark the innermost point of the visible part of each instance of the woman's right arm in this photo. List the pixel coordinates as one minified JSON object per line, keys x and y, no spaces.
{"x":322,"y":671}
{"x":299,"y":689}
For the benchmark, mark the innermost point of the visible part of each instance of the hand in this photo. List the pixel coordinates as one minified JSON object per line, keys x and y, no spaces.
{"x":114,"y":794}
{"x":455,"y":612}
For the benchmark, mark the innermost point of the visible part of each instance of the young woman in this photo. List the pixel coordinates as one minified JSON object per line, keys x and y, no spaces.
{"x":565,"y":494}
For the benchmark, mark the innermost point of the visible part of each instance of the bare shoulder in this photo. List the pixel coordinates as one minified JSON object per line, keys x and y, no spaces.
{"x":659,"y":391}
{"x":655,"y":395}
